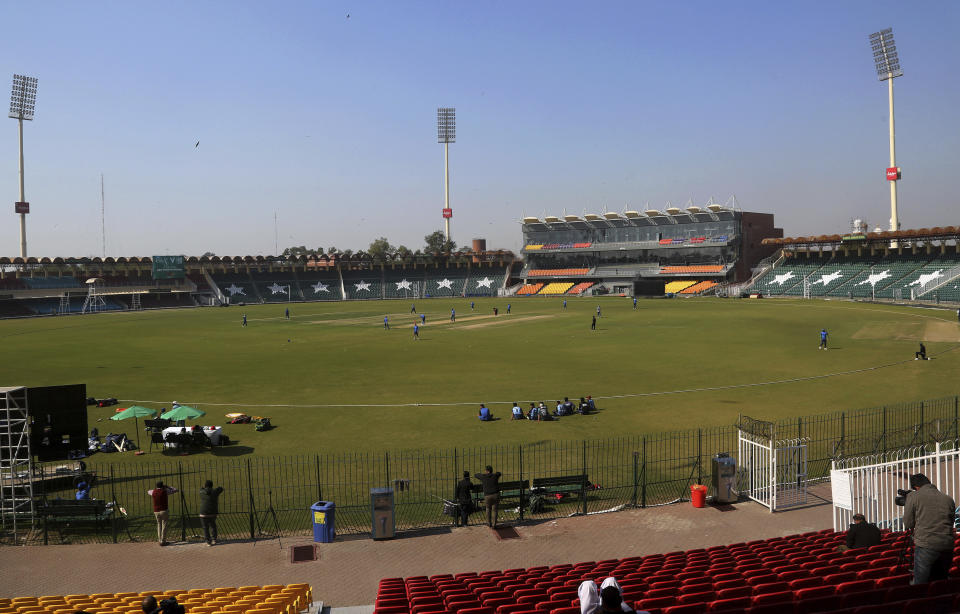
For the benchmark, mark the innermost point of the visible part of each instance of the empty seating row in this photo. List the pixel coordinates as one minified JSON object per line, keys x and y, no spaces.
{"x":692,"y":268}
{"x":267,"y":599}
{"x":529,"y":289}
{"x":676,"y":286}
{"x":557,"y":272}
{"x":700,"y":286}
{"x":581,"y":287}
{"x":557,"y":287}
{"x":799,"y":573}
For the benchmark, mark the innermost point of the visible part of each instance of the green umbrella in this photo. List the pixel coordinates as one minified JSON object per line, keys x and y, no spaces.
{"x":183,"y":412}
{"x":136,"y":412}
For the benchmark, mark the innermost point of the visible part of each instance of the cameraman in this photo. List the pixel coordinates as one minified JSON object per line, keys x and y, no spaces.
{"x":930,"y":514}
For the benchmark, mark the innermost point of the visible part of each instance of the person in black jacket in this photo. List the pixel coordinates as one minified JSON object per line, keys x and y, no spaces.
{"x":209,"y":508}
{"x":861,"y":534}
{"x":464,"y":498}
{"x":491,"y":494}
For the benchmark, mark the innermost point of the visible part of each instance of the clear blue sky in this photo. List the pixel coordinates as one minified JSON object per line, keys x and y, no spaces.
{"x":331,"y":121}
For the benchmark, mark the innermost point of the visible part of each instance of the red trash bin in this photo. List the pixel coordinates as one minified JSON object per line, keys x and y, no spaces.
{"x":698,"y":495}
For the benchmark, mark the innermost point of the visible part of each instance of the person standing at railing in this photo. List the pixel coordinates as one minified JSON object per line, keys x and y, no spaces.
{"x":931,"y":514}
{"x":491,"y":493}
{"x":209,"y":508}
{"x":464,"y":498}
{"x":161,"y":509}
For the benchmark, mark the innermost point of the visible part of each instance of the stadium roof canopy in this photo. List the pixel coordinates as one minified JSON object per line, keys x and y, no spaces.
{"x":651,"y":217}
{"x":945,"y":233}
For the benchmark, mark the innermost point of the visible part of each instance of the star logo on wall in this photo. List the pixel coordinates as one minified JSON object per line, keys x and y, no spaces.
{"x":875,"y":277}
{"x":362,"y":285}
{"x":277,"y":288}
{"x":484,"y":283}
{"x":828,"y":279}
{"x":235,"y":290}
{"x":926,"y":278}
{"x":403,"y":285}
{"x":445,"y":283}
{"x":320,"y":287}
{"x":781,"y":279}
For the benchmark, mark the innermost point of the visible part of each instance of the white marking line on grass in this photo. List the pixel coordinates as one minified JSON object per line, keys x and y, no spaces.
{"x":613,"y":396}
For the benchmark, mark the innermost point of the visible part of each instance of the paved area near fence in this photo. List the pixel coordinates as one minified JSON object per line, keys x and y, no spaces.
{"x":348,"y":570}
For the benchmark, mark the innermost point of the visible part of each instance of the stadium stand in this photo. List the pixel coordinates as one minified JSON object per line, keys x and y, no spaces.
{"x":274,"y":287}
{"x":675,"y":287}
{"x":485,"y":281}
{"x":320,"y":285}
{"x":266,"y":599}
{"x":557,"y":272}
{"x":45,"y":283}
{"x":557,"y":287}
{"x":687,"y":269}
{"x":798,"y":573}
{"x":581,"y":287}
{"x":362,"y":285}
{"x":529,"y":289}
{"x":14,"y":309}
{"x":237,"y":287}
{"x":445,"y":281}
{"x":699,"y":287}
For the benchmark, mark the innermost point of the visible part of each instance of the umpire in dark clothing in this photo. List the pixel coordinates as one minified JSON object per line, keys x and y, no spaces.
{"x":209,"y":508}
{"x":861,"y":534}
{"x":491,"y":493}
{"x":464,"y":498}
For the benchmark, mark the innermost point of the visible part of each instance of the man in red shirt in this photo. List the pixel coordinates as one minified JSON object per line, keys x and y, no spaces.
{"x":161,"y":509}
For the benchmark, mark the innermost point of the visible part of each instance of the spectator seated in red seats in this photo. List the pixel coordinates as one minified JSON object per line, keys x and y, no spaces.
{"x":861,"y":534}
{"x":607,"y":600}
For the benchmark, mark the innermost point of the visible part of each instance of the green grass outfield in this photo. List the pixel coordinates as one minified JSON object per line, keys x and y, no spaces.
{"x":332,"y":355}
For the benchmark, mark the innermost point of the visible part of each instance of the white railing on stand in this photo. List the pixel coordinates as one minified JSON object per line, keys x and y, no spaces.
{"x":947,"y":276}
{"x":868,"y":484}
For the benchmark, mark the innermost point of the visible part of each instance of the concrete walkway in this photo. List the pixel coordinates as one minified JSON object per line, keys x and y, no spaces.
{"x":348,"y":570}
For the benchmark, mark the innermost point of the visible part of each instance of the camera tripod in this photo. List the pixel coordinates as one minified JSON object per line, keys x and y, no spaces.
{"x":905,"y":558}
{"x":272,"y":513}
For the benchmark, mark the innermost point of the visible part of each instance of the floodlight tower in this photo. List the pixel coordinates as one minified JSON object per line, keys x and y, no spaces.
{"x":888,"y":68}
{"x":446,"y":134}
{"x":23,"y":99}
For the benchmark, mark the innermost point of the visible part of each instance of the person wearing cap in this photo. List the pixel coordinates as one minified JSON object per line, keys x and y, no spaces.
{"x":861,"y":534}
{"x":608,"y":598}
{"x":83,"y":491}
{"x":931,"y":514}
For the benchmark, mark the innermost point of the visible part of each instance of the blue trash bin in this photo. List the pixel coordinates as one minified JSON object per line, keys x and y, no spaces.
{"x":323,"y":526}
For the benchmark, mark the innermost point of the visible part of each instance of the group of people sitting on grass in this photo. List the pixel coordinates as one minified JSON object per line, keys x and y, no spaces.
{"x":541,"y":412}
{"x":566,"y":407}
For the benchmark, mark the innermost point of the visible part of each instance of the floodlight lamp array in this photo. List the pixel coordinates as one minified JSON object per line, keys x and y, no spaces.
{"x":23,"y":97}
{"x":885,"y":54}
{"x":446,"y":125}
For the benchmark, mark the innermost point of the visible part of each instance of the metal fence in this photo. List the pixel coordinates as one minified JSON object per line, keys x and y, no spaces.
{"x":270,"y":497}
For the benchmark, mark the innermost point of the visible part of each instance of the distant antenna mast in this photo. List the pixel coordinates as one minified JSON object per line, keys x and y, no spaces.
{"x":276,"y":236}
{"x":103,"y":225}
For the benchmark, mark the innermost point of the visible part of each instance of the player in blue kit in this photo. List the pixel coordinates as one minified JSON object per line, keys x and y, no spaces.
{"x":823,"y":339}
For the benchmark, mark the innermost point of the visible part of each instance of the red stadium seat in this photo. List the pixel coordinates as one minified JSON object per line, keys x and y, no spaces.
{"x":768,"y":598}
{"x":720,"y":605}
{"x":690,"y":608}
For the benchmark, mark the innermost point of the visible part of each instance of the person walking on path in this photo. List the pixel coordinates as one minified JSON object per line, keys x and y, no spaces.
{"x":161,"y":509}
{"x":491,"y":494}
{"x":209,"y":508}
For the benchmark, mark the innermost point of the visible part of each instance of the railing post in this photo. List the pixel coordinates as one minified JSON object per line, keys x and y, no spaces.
{"x":636,"y":478}
{"x":386,"y":458}
{"x":520,"y":464}
{"x":699,"y":456}
{"x":583,"y":490}
{"x":250,"y":512}
{"x":956,"y":417}
{"x":116,"y":508}
{"x":884,"y":429}
{"x":319,"y":487}
{"x":643,"y":468}
{"x":183,"y":503}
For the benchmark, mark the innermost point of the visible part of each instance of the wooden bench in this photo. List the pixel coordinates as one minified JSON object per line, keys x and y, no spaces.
{"x":562,"y":485}
{"x":65,"y":511}
{"x":508,"y":490}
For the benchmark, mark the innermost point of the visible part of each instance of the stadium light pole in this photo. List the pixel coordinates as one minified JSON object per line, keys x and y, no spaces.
{"x":23,"y":99}
{"x":888,"y":68}
{"x":446,"y":134}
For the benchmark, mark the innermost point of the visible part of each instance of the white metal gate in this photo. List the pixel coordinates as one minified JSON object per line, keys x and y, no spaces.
{"x":868,"y":484}
{"x":772,"y":473}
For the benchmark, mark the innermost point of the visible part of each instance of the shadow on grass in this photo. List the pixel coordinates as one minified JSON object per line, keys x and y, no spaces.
{"x":231,"y":450}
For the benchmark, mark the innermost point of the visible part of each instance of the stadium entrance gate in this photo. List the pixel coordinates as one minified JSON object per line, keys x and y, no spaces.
{"x":772,"y":473}
{"x":868,"y":484}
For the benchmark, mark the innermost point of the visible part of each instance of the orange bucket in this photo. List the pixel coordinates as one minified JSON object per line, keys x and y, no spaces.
{"x":698,"y":495}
